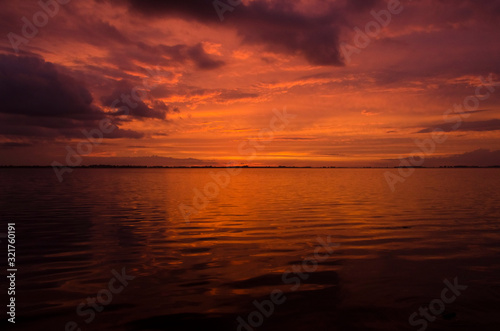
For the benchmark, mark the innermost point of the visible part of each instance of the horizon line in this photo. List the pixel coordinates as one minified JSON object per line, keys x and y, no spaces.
{"x":104,"y":166}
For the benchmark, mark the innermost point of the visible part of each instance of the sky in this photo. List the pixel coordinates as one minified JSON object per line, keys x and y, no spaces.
{"x":252,"y":82}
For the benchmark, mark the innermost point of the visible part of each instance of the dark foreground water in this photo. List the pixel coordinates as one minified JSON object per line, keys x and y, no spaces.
{"x":384,"y":255}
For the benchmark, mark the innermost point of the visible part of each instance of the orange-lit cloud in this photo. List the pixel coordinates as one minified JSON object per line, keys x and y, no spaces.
{"x":180,"y":84}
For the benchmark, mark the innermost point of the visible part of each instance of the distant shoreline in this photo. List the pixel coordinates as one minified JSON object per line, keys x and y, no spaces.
{"x":245,"y":167}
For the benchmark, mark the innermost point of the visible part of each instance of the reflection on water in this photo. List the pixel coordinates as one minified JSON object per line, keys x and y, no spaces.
{"x":395,"y":249}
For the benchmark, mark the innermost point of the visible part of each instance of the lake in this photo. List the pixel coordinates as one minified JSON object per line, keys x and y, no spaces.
{"x":315,"y":249}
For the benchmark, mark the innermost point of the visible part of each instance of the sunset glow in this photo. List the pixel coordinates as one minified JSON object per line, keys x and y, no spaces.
{"x":201,"y":86}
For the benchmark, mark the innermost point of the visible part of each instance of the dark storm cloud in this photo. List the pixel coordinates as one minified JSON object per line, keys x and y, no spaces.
{"x":180,"y":54}
{"x":201,"y":58}
{"x":32,"y":87}
{"x":464,"y":10}
{"x":9,"y":145}
{"x":198,"y":9}
{"x":277,"y":25}
{"x":133,"y":107}
{"x":488,"y":125}
{"x":124,"y":133}
{"x":39,"y":100}
{"x":362,"y":5}
{"x":101,"y":33}
{"x":51,"y":127}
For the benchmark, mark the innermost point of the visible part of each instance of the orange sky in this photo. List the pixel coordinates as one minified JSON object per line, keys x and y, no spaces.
{"x":204,"y":86}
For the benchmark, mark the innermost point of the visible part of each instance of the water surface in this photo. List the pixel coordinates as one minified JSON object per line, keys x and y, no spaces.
{"x":394,"y":249}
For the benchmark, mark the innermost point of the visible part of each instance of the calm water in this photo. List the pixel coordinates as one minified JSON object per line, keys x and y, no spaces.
{"x":389,"y":252}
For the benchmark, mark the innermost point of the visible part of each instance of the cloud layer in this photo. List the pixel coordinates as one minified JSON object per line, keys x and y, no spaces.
{"x":180,"y":83}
